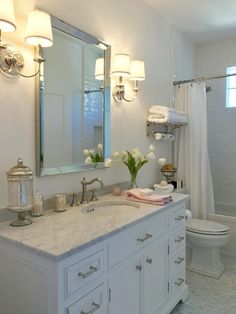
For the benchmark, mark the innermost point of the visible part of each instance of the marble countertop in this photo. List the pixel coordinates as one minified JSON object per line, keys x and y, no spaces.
{"x":58,"y":235}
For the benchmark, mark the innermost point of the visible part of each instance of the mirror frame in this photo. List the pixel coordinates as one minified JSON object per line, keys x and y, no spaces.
{"x":81,"y":35}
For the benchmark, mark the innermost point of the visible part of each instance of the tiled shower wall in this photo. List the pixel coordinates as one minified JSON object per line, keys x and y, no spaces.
{"x":212,"y":59}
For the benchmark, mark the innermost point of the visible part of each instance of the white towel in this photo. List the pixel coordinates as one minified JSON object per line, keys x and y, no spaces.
{"x":163,"y":110}
{"x":157,"y":109}
{"x":169,"y":116}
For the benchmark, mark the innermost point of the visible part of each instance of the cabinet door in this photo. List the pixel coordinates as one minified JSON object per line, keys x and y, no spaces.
{"x":125,"y":288}
{"x":155,"y":276}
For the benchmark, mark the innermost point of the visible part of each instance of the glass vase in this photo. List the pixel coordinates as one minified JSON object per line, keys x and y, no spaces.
{"x":133,"y":183}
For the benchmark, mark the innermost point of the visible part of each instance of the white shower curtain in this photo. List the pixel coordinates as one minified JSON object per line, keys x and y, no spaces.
{"x":191,"y":152}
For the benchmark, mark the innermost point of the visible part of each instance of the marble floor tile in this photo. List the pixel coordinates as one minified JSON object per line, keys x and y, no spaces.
{"x":209,"y":295}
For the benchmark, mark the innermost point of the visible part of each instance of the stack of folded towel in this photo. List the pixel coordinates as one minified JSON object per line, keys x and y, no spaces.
{"x":148,"y":196}
{"x":162,"y":114}
{"x":163,"y":188}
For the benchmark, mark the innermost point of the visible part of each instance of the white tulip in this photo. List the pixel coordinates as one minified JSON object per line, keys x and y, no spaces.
{"x":88,"y":160}
{"x":92,"y":151}
{"x":151,"y":148}
{"x":99,"y":147}
{"x":137,"y":155}
{"x":161,"y":161}
{"x":86,"y":152}
{"x":124,"y":154}
{"x":135,"y":150}
{"x":151,"y":155}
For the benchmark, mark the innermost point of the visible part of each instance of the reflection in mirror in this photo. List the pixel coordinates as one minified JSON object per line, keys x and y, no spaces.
{"x":73,"y":111}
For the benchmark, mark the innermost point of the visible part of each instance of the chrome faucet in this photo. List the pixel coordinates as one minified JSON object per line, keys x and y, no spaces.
{"x":84,"y":199}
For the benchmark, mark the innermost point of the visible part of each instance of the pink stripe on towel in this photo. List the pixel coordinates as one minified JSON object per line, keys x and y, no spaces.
{"x":154,"y":198}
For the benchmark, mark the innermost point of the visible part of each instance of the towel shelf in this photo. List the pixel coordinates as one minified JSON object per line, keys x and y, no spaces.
{"x":167,"y":127}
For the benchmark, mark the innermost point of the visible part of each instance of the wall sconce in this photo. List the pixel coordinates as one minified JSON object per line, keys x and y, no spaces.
{"x":123,"y":67}
{"x":38,"y":33}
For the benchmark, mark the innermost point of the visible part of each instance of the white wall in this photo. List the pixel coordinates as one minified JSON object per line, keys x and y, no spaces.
{"x":212,"y":59}
{"x":183,"y":57}
{"x":130,"y":27}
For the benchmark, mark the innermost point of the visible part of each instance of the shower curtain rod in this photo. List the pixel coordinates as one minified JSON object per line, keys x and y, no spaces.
{"x":200,"y":79}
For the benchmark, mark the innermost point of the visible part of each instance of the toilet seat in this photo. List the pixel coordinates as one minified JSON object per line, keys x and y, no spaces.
{"x":206,"y":227}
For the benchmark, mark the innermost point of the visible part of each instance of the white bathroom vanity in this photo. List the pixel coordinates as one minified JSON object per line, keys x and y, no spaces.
{"x":81,"y":262}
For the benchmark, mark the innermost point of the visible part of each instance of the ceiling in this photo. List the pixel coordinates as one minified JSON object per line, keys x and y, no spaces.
{"x":201,"y":20}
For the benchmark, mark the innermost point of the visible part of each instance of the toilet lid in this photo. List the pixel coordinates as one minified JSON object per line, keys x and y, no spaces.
{"x":206,"y":227}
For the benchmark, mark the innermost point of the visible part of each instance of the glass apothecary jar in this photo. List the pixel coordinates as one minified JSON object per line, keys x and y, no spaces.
{"x":20,"y":192}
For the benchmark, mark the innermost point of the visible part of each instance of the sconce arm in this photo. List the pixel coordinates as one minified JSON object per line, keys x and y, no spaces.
{"x":130,"y":100}
{"x":12,"y":61}
{"x":39,"y":60}
{"x":119,"y":92}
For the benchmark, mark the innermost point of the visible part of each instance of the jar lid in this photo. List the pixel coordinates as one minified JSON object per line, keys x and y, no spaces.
{"x":20,"y":169}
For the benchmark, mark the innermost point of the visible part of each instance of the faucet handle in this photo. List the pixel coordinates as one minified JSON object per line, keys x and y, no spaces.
{"x":83,"y":180}
{"x":74,"y":196}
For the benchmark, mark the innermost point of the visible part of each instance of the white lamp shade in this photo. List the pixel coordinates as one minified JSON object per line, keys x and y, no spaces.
{"x":7,"y":16}
{"x":121,"y":66}
{"x":137,"y":70}
{"x":99,"y":69}
{"x":39,"y":29}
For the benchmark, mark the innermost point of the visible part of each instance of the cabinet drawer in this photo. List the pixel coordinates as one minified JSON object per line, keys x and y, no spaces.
{"x":136,"y":237}
{"x":84,"y":271}
{"x":177,"y":241}
{"x":177,"y":283}
{"x":177,"y":218}
{"x":93,"y":302}
{"x":177,"y":262}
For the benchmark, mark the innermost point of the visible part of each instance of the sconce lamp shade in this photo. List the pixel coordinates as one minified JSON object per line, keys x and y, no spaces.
{"x":137,"y":70}
{"x":39,"y":29}
{"x":99,"y":69}
{"x":7,"y":16}
{"x":121,"y":66}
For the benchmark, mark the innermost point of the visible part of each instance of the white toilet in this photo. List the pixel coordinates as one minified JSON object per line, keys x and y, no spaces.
{"x":205,"y":238}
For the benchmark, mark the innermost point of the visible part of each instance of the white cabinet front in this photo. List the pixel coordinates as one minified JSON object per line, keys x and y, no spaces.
{"x":124,"y":285}
{"x":155,"y":276}
{"x":140,"y":285}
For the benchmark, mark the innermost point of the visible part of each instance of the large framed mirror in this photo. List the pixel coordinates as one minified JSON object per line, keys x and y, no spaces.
{"x":72,"y":102}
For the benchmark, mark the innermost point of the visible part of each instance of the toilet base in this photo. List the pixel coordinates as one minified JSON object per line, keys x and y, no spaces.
{"x":206,"y":261}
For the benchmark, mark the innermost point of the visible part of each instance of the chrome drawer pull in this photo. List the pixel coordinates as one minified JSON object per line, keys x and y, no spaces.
{"x":179,"y":260}
{"x":149,"y":260}
{"x":95,"y":308}
{"x":90,"y":272}
{"x":139,"y":267}
{"x":147,"y":236}
{"x":179,"y":239}
{"x":179,"y":218}
{"x":179,"y":282}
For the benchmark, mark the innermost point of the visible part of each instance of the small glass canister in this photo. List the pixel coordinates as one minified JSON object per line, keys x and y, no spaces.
{"x":37,"y":210}
{"x":20,"y":192}
{"x":60,"y":202}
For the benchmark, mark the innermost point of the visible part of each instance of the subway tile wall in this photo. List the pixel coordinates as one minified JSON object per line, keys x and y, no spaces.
{"x":213,"y":59}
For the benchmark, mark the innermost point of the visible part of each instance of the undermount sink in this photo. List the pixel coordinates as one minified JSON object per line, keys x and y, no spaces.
{"x":107,"y":208}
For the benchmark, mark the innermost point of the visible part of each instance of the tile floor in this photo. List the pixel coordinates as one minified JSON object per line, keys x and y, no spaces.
{"x":211,"y":296}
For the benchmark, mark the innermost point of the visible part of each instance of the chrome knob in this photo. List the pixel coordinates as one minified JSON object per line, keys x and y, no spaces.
{"x":139,"y":267}
{"x":149,"y":260}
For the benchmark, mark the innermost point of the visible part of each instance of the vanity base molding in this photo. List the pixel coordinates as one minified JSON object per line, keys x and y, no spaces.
{"x":146,"y":258}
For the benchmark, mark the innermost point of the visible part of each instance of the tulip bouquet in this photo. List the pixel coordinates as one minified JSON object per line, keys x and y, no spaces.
{"x":94,"y":155}
{"x":134,"y":160}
